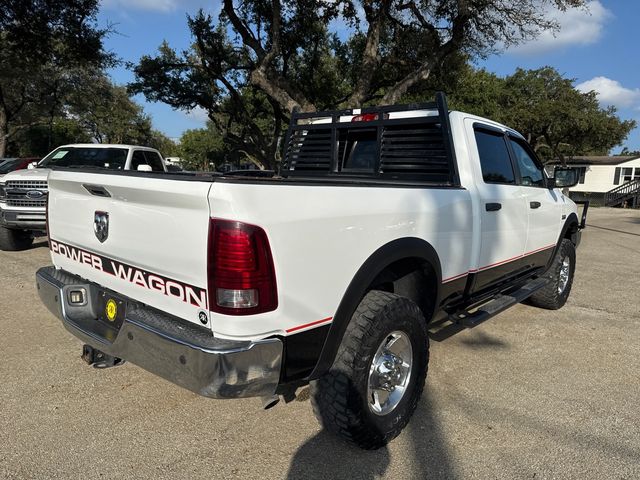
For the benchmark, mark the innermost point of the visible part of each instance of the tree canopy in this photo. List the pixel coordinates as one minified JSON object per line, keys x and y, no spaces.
{"x":95,"y":110}
{"x":260,"y":59}
{"x":45,"y":46}
{"x":201,"y":149}
{"x":53,"y":85}
{"x":557,"y":120}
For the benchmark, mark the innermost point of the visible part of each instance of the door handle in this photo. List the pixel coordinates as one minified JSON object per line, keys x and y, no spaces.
{"x":493,"y":207}
{"x":535,"y":204}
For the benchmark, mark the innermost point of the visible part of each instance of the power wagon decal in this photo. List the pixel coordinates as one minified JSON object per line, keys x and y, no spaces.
{"x":151,"y":281}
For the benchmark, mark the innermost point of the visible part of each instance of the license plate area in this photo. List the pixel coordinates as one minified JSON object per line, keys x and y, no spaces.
{"x":112,"y":311}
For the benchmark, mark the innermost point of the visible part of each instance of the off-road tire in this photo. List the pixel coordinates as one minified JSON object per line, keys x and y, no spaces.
{"x":339,"y":397}
{"x":549,"y":297}
{"x":14,"y":240}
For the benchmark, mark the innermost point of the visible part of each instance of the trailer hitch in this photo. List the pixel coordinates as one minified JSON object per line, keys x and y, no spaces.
{"x":99,"y":359}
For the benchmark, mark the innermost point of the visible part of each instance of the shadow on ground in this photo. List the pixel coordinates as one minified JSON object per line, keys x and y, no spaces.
{"x":420,"y":452}
{"x":481,"y":340}
{"x":614,"y":230}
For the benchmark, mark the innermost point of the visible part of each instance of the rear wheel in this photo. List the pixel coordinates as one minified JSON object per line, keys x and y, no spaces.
{"x":554,"y":295}
{"x":375,"y":382}
{"x":14,"y":240}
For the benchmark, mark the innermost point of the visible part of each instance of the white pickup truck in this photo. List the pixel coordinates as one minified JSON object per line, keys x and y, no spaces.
{"x":23,"y":193}
{"x":385,"y":227}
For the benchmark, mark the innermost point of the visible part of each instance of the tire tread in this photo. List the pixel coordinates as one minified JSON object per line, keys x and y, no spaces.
{"x":333,"y":404}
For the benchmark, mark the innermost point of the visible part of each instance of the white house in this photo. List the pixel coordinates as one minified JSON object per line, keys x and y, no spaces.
{"x":601,"y":175}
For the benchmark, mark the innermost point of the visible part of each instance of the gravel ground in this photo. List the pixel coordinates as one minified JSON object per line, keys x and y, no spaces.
{"x":529,"y":394}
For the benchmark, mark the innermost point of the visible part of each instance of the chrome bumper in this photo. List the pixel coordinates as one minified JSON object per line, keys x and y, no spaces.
{"x":184,"y":354}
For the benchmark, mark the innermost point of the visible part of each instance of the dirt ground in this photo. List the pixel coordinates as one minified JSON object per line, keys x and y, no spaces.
{"x":529,"y":394}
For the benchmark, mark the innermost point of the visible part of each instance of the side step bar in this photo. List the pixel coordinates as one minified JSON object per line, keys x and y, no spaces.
{"x":498,"y":304}
{"x":468,"y":319}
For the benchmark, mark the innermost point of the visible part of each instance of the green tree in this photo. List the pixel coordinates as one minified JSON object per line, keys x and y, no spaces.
{"x":42,"y":44}
{"x":37,"y":141}
{"x":109,"y":114}
{"x":163,"y":144}
{"x":627,"y":151}
{"x":201,"y":149}
{"x":557,"y":120}
{"x":261,"y":59}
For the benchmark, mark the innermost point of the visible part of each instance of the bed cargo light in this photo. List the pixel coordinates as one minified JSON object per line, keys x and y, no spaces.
{"x":241,"y":275}
{"x":369,"y":117}
{"x":365,"y":117}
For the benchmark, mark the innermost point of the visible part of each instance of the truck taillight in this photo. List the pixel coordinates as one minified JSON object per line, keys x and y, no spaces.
{"x":242,"y":278}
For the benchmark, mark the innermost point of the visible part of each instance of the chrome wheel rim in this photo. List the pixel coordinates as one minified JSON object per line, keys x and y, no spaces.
{"x":565,"y":268}
{"x":390,"y":373}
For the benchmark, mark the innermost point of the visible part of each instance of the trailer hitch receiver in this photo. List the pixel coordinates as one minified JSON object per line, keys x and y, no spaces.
{"x":99,"y":359}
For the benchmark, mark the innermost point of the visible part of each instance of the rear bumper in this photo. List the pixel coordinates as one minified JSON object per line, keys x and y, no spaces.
{"x":24,"y":219}
{"x":184,"y":354}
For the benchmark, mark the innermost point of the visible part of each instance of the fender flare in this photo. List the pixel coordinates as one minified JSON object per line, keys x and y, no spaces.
{"x":570,"y":225}
{"x":389,"y":253}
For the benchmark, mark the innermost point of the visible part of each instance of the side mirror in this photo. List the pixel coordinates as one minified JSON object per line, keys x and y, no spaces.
{"x":32,"y":165}
{"x":565,"y":177}
{"x":145,"y":168}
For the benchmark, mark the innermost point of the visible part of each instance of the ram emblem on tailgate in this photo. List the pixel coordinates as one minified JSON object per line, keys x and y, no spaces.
{"x":101,"y":226}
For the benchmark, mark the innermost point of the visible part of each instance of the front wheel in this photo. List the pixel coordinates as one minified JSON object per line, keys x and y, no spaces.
{"x":555,"y":294}
{"x":375,"y":382}
{"x":14,"y":240}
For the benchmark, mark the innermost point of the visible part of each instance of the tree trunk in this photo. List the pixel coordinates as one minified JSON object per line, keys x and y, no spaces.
{"x":4,"y":133}
{"x":279,"y":92}
{"x":369,"y":63}
{"x":395,"y":93}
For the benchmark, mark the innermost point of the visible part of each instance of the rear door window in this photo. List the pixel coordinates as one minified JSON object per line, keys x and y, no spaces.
{"x":494,"y":157}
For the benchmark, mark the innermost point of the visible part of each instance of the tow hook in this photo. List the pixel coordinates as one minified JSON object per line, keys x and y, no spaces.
{"x":99,"y":359}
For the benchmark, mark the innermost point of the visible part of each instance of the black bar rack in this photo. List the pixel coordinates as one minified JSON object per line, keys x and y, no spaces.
{"x":399,"y":143}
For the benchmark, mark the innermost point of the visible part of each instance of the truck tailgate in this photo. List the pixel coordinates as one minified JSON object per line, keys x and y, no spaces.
{"x":140,"y":236}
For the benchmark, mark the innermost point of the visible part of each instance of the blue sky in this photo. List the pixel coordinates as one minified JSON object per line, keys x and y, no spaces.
{"x":598,"y":49}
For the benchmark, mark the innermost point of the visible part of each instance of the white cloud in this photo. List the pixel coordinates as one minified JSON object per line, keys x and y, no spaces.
{"x":199,"y":114}
{"x":611,"y":92}
{"x":577,"y":27}
{"x":149,"y":5}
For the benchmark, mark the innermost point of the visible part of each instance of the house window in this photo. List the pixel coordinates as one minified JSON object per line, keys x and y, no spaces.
{"x":627,"y":174}
{"x":637,"y":174}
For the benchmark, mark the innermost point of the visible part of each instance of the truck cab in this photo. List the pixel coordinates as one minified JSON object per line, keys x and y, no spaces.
{"x":23,"y":193}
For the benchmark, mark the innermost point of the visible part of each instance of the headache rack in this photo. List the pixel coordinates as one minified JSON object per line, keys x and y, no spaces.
{"x":400,"y":143}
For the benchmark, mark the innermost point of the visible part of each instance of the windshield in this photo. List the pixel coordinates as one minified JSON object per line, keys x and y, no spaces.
{"x":110,"y":158}
{"x":8,"y":165}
